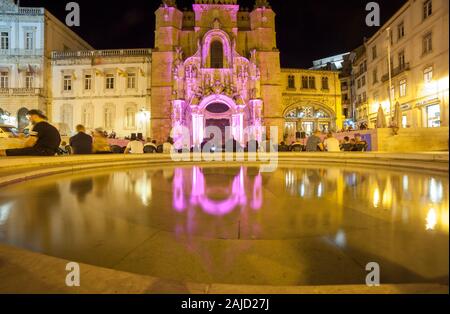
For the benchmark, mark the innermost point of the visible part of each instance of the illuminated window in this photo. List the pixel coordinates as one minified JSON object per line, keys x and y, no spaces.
{"x":291,"y":82}
{"x":88,"y":82}
{"x":131,"y":80}
{"x":427,"y":43}
{"x":4,"y":40}
{"x":401,"y":30}
{"x":216,"y":55}
{"x":433,"y":116}
{"x":312,"y":82}
{"x":401,"y":60}
{"x":29,"y":41}
{"x":304,"y":82}
{"x":29,"y":78}
{"x":427,"y":8}
{"x":428,"y":75}
{"x":404,"y":121}
{"x":4,"y":80}
{"x":374,"y":52}
{"x":67,"y":83}
{"x":402,"y":88}
{"x":325,"y":83}
{"x":110,"y":82}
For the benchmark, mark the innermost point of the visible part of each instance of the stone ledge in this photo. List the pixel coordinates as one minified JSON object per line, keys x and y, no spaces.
{"x":47,"y":274}
{"x":13,"y":170}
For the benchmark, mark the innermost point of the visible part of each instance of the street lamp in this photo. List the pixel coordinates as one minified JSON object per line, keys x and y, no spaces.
{"x":389,"y":35}
{"x":144,"y":117}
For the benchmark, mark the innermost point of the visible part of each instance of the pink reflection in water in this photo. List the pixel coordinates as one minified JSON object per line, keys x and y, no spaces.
{"x":198,"y":194}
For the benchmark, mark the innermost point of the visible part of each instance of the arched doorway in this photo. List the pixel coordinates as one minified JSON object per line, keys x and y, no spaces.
{"x":22,"y":120}
{"x":219,"y":115}
{"x":302,"y":120}
{"x":219,"y":111}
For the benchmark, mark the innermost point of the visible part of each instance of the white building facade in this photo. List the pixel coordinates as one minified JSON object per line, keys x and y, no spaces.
{"x":107,"y":89}
{"x":27,"y":37}
{"x":418,"y":38}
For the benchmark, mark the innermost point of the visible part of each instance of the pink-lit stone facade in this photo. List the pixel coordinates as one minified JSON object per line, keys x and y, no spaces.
{"x":186,"y":78}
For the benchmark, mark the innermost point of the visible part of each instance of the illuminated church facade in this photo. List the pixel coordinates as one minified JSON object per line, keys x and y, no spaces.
{"x":219,"y":66}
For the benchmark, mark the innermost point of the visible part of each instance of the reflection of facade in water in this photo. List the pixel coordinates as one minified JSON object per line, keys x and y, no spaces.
{"x":199,"y":192}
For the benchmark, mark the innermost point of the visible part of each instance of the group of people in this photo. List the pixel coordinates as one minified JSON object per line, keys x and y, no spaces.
{"x":45,"y":140}
{"x":315,"y":143}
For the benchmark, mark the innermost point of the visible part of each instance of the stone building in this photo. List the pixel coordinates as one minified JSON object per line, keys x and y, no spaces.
{"x":312,"y":100}
{"x":418,"y":37}
{"x":27,"y":37}
{"x":360,"y":84}
{"x":217,"y":65}
{"x":102,"y":88}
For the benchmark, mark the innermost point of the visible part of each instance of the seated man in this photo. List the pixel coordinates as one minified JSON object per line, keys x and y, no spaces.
{"x":360,"y":145}
{"x":346,"y":146}
{"x":81,"y":143}
{"x":314,"y":143}
{"x":44,"y":139}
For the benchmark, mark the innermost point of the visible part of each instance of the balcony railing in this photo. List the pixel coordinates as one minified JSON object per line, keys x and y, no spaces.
{"x":31,"y":11}
{"x":396,"y":71}
{"x":21,"y":91}
{"x":21,"y":52}
{"x":58,"y":55}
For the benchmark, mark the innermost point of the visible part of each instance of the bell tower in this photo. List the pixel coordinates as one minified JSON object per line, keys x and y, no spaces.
{"x":167,"y":36}
{"x":262,"y":38}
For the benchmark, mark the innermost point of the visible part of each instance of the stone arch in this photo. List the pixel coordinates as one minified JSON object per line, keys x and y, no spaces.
{"x":217,"y":99}
{"x":316,"y":104}
{"x":217,"y":35}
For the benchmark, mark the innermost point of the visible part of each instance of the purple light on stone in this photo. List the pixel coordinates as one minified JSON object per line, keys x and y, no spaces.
{"x":200,"y":198}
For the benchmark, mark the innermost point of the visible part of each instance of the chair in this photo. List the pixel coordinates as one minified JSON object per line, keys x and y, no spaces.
{"x":347,"y":147}
{"x":115,"y":149}
{"x":297,"y":148}
{"x":149,"y":149}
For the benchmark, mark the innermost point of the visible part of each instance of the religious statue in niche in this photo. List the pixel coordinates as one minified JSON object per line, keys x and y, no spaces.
{"x":191,"y":71}
{"x":178,"y":74}
{"x":255,"y":77}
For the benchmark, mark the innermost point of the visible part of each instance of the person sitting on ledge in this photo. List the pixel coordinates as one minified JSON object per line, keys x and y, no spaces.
{"x":314,"y":143}
{"x":283,"y":147}
{"x":81,"y":143}
{"x":134,"y":146}
{"x":361,"y":145}
{"x":100,"y":143}
{"x":44,"y":139}
{"x":331,"y":144}
{"x":346,"y":146}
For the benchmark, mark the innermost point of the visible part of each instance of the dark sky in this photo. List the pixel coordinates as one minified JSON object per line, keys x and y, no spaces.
{"x":306,"y":29}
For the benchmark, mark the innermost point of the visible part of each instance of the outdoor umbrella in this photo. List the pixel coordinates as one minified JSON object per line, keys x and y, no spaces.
{"x":397,"y":120}
{"x":381,"y":118}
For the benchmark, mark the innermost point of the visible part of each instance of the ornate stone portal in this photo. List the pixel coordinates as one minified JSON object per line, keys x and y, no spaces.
{"x":233,"y":81}
{"x":215,"y":73}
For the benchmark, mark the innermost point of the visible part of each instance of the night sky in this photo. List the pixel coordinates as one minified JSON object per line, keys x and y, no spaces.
{"x":306,"y":29}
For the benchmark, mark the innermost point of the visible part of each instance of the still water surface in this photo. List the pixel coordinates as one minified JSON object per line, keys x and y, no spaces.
{"x":296,"y":226}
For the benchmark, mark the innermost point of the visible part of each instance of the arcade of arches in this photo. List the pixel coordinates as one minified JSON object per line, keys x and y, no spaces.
{"x":303,"y":120}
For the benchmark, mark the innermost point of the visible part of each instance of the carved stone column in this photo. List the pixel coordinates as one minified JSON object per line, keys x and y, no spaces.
{"x":256,"y":106}
{"x":198,"y":127}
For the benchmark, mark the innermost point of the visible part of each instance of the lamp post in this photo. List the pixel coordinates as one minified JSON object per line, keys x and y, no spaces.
{"x":388,"y":30}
